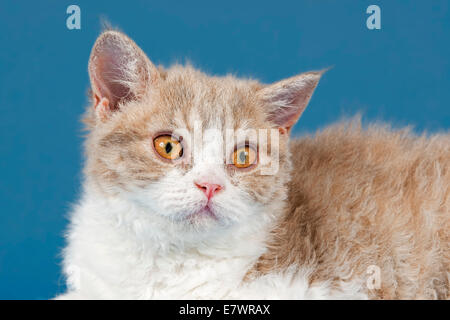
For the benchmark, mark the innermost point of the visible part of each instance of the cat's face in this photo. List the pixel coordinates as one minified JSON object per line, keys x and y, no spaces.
{"x":198,"y":151}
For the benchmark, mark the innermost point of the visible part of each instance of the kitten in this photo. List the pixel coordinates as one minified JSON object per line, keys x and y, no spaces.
{"x":172,"y":209}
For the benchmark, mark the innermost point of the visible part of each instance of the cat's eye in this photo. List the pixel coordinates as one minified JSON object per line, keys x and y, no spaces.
{"x":168,"y":147}
{"x":244,"y":157}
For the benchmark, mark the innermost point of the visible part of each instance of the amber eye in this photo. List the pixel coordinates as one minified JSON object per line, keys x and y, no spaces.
{"x":168,"y":147}
{"x":244,"y":157}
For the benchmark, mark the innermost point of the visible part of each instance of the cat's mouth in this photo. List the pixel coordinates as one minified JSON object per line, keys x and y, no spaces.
{"x":203,"y":213}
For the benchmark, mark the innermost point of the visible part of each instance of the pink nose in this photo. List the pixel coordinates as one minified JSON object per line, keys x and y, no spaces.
{"x":210,"y":189}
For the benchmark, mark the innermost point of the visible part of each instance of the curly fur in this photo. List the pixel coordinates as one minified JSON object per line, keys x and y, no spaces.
{"x":368,"y":197}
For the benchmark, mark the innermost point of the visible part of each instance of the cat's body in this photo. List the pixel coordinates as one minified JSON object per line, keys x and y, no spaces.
{"x":349,"y":201}
{"x":366,"y":199}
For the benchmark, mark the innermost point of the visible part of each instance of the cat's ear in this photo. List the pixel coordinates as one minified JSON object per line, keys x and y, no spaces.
{"x":119,"y":72}
{"x":285,"y":101}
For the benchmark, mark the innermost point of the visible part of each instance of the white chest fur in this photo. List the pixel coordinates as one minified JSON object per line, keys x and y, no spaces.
{"x":112,"y":255}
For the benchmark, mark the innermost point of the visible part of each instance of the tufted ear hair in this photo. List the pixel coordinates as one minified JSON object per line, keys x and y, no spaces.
{"x":285,"y":101}
{"x":119,"y":71}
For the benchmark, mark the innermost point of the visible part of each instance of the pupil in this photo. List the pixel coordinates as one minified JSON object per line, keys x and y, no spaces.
{"x":242,"y":157}
{"x":168,"y":147}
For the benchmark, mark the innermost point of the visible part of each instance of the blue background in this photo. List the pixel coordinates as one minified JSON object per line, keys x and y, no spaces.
{"x":398,"y":74}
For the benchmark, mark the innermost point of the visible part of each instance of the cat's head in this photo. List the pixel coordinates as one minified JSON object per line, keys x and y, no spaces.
{"x":196,"y":151}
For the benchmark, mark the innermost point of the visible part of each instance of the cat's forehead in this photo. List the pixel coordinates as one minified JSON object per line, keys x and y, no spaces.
{"x":187,"y":96}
